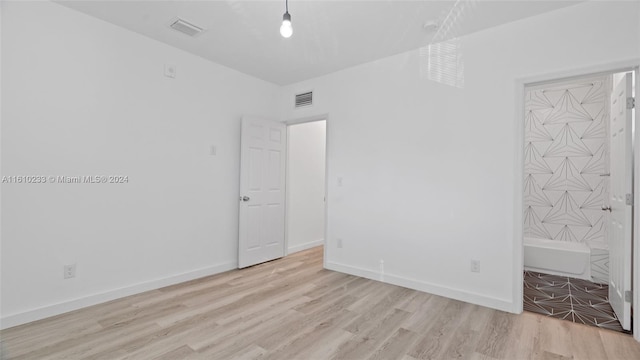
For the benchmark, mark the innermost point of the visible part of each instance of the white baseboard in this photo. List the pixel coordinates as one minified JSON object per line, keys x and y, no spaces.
{"x":457,"y":294}
{"x":24,"y":317}
{"x":305,"y":246}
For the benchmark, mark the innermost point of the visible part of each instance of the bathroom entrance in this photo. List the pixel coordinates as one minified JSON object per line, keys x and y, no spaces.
{"x":577,"y":218}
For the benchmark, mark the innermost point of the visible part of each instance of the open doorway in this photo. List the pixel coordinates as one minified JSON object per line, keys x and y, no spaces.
{"x":306,"y":184}
{"x":577,"y":215}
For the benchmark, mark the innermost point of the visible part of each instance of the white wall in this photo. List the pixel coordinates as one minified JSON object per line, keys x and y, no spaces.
{"x":306,"y":185}
{"x":89,"y":98}
{"x":430,"y":171}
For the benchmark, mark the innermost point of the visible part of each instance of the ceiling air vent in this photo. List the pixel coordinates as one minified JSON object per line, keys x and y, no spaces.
{"x":186,"y":27}
{"x":305,"y":99}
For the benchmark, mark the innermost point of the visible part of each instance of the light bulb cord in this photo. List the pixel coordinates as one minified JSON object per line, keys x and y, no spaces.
{"x":286,"y":5}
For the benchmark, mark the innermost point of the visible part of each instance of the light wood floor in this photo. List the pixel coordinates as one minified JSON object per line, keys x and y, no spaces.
{"x":293,"y":309}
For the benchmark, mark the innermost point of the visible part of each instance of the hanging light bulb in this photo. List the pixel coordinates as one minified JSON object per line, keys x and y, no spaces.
{"x":286,"y":30}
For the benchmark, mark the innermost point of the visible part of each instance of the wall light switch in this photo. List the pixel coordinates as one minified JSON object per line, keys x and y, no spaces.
{"x":339,"y":181}
{"x":170,"y":71}
{"x":69,"y":271}
{"x":212,"y":150}
{"x":475,"y":266}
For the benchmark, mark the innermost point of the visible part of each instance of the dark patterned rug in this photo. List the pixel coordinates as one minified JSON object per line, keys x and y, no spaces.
{"x":576,"y":300}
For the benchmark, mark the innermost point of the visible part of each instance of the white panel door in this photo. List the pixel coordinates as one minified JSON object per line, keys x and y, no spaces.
{"x":621,"y":187}
{"x":262,"y":191}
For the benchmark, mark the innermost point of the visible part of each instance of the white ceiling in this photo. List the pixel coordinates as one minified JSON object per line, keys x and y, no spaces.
{"x":328,"y":35}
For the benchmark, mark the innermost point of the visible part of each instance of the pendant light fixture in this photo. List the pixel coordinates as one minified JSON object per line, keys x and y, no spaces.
{"x":286,"y":30}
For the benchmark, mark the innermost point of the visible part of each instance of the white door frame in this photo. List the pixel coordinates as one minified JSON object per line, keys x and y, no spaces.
{"x":518,"y":228}
{"x":297,"y":121}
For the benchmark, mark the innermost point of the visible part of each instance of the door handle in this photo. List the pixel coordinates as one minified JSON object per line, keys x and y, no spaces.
{"x":606,"y":208}
{"x":244,"y":198}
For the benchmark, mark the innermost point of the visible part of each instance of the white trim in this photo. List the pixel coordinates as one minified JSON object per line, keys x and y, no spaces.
{"x":518,"y":248}
{"x":568,"y":81}
{"x":448,"y":292}
{"x":518,"y":226}
{"x":307,"y":119}
{"x":287,"y":192}
{"x":305,"y":246}
{"x":24,"y":317}
{"x":636,"y":213}
{"x":325,"y":254}
{"x":567,"y":74}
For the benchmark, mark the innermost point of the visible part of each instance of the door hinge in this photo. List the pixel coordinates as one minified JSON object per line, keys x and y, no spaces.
{"x":628,"y":296}
{"x":629,"y":199}
{"x":631,"y":103}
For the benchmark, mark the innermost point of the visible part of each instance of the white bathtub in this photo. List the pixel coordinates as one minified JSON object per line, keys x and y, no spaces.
{"x":557,"y":258}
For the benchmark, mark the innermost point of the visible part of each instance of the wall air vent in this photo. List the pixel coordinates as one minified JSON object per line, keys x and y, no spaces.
{"x":186,"y":27}
{"x":304,"y":99}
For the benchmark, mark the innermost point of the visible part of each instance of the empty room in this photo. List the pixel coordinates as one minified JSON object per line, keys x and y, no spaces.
{"x":318,"y":179}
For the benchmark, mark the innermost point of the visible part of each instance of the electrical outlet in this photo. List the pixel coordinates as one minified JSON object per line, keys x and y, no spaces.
{"x":475,"y":266}
{"x":70,"y":271}
{"x":339,"y":243}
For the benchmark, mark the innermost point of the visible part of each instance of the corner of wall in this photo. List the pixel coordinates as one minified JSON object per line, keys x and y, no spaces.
{"x":12,"y":320}
{"x":435,"y":289}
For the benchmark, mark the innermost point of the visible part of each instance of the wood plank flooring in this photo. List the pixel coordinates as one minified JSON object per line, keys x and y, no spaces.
{"x":294,"y":309}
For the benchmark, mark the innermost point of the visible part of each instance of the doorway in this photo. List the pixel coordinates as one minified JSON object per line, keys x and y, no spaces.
{"x":282,"y":188}
{"x":577,"y":233}
{"x":306,"y":185}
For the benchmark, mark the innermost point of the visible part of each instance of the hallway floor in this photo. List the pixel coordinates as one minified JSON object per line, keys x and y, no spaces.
{"x":577,"y":300}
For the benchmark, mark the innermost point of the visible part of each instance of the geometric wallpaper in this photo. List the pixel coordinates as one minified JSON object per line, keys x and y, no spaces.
{"x":566,"y":156}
